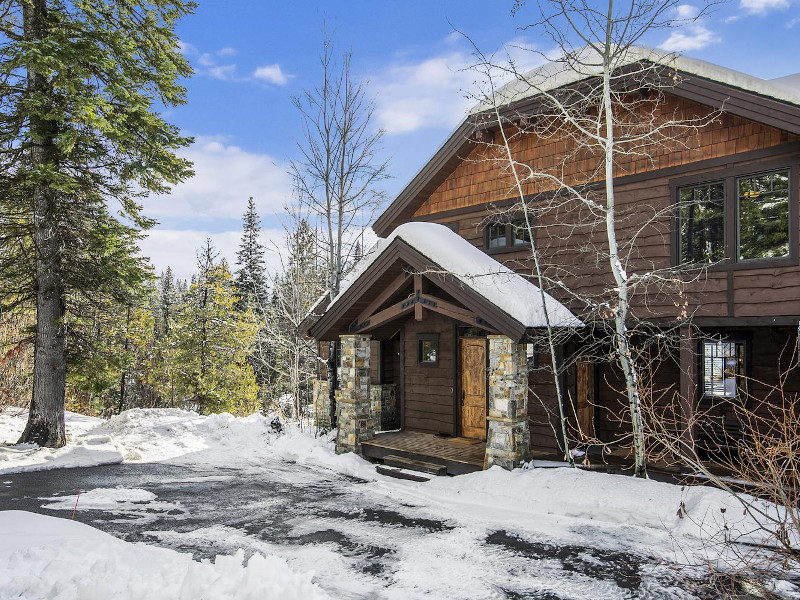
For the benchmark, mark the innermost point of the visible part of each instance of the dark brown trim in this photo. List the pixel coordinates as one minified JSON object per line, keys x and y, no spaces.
{"x":456,"y":379}
{"x":783,"y":320}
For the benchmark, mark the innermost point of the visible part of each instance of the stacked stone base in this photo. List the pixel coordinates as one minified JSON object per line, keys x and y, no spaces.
{"x":508,"y":444}
{"x":384,"y":406}
{"x":354,"y":422}
{"x":322,"y":404}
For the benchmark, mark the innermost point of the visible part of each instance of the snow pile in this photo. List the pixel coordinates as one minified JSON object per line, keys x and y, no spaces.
{"x":452,"y":254}
{"x":131,"y":504}
{"x":699,"y":512}
{"x":84,"y":448}
{"x":45,"y":557}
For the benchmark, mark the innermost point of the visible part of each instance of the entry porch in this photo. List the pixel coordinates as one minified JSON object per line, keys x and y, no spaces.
{"x":459,"y":455}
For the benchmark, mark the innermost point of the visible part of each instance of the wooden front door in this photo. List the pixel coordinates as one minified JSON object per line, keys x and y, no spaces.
{"x":473,"y":387}
{"x":585,"y":404}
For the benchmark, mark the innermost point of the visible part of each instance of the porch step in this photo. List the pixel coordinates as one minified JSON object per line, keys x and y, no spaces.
{"x":392,"y":460}
{"x":400,"y":473}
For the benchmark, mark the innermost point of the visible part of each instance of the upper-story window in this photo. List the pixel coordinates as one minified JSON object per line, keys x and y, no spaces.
{"x":508,"y":235}
{"x":763,"y":215}
{"x":740,"y":219}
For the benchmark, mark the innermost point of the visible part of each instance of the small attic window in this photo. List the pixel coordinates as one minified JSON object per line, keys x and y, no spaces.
{"x":514,"y":234}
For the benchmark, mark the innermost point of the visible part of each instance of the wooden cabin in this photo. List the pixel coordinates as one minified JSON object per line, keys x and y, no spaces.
{"x":439,"y":325}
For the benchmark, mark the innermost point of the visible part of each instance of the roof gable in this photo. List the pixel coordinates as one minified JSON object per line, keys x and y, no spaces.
{"x":509,"y":302}
{"x":739,"y":94}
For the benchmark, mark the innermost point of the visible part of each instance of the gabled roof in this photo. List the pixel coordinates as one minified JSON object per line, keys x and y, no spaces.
{"x":772,"y":103}
{"x":509,"y":303}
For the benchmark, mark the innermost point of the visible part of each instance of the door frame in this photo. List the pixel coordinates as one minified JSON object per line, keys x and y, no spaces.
{"x":457,"y":337}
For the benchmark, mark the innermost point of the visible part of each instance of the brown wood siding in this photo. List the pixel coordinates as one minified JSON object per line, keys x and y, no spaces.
{"x":428,"y":392}
{"x":483,"y":178}
{"x":570,"y":254}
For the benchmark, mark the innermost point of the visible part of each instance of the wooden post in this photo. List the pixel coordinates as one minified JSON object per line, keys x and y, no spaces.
{"x":418,"y":293}
{"x":688,"y":386}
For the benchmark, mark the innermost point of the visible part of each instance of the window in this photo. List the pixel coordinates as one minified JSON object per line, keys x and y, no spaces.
{"x":723,"y":368}
{"x":508,"y":235}
{"x":428,"y":349}
{"x":736,"y":219}
{"x":701,"y":222}
{"x":763,"y":215}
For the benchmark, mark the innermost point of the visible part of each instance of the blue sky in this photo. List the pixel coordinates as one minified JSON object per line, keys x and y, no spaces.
{"x":252,"y":57}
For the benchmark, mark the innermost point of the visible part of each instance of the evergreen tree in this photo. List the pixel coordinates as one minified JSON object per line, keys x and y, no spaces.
{"x":251,"y":278}
{"x":213,"y":342}
{"x":77,"y":85}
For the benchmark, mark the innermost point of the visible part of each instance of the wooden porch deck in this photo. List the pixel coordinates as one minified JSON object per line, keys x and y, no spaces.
{"x":460,"y":455}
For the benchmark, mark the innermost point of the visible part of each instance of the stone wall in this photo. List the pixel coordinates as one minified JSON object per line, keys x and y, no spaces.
{"x":353,"y":406}
{"x":508,"y":441}
{"x":384,"y":407}
{"x":321,"y":403}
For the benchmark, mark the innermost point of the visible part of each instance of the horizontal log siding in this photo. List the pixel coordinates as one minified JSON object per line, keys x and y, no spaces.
{"x":483,"y":177}
{"x":428,"y":391}
{"x":574,"y":254}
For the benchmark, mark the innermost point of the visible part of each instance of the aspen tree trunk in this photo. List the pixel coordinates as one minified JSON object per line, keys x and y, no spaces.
{"x":621,"y":337}
{"x":46,"y":417}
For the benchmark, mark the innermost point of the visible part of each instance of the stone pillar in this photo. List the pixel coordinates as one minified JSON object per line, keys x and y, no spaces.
{"x":321,"y":401}
{"x":384,"y":409}
{"x":509,"y":441}
{"x":353,"y":407}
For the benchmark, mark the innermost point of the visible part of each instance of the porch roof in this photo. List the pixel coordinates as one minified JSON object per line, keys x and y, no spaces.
{"x":501,"y":299}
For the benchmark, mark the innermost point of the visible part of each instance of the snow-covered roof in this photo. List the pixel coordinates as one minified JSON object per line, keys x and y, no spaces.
{"x":452,"y":254}
{"x":557,"y":74}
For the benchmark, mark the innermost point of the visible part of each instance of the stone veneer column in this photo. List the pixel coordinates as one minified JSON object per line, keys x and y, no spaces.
{"x":509,"y":440}
{"x":322,"y":403}
{"x":353,"y":410}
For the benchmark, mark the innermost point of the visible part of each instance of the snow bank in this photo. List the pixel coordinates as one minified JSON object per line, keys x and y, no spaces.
{"x":46,"y":557}
{"x":698,"y":512}
{"x":85,"y":448}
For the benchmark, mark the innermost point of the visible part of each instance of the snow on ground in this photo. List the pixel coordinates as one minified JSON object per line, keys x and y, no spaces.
{"x":84,"y":449}
{"x":561,"y":504}
{"x":46,"y":557}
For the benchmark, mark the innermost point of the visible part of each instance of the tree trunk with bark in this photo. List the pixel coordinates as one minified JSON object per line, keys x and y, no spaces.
{"x":46,"y":418}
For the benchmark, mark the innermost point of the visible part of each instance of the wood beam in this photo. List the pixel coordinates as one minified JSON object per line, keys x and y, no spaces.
{"x":451,"y":310}
{"x":387,"y":293}
{"x":417,"y":294}
{"x":385,"y":315}
{"x":688,"y":386}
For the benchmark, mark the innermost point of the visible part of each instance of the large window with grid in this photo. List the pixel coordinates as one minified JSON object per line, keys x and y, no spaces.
{"x":736,"y":219}
{"x":723,"y":368}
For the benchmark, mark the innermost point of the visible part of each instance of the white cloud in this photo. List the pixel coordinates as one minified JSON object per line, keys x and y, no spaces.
{"x":226,"y":51}
{"x":271,"y":74}
{"x":762,"y":7}
{"x":690,"y":33}
{"x":186,"y":48}
{"x":437,"y":91}
{"x":792,"y":22}
{"x":177,"y":249}
{"x":225,"y":177}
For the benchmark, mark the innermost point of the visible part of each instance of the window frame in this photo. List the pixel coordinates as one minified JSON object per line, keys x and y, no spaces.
{"x":742,"y":377}
{"x":730,"y":177}
{"x":509,"y":245}
{"x":427,"y":337}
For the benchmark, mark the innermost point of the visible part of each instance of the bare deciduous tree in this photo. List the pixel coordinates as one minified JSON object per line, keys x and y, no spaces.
{"x":598,"y":101}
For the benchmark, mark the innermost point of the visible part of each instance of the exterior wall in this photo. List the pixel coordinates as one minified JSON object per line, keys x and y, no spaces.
{"x":476,"y":181}
{"x":570,"y":253}
{"x":428,"y":393}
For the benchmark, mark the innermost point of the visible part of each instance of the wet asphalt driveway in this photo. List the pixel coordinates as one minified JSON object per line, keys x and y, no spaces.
{"x":358,"y":544}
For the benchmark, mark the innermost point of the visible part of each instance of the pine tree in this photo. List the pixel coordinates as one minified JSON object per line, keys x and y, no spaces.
{"x":251,"y":278}
{"x":78,"y":81}
{"x":214,"y":340}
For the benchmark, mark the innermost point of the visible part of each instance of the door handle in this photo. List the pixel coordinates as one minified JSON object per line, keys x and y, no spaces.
{"x":463,"y":397}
